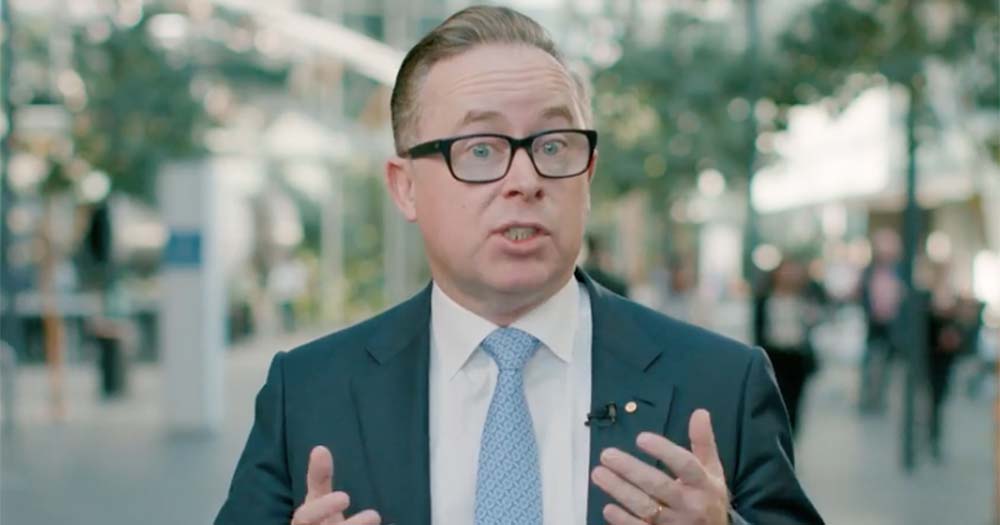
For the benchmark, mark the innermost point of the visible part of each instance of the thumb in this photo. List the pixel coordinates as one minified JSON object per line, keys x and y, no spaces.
{"x":319,"y":475}
{"x":703,"y":442}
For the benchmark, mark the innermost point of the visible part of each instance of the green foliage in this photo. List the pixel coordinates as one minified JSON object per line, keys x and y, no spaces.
{"x":670,"y":111}
{"x":364,"y":248}
{"x":142,"y":108}
{"x":139,"y":112}
{"x":821,"y":48}
{"x":838,"y":48}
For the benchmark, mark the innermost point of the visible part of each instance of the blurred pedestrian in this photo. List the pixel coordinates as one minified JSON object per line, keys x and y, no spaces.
{"x":680,"y":299}
{"x":882,"y":294}
{"x":288,"y":283}
{"x":785,"y":313}
{"x":599,"y":265}
{"x":952,"y":330}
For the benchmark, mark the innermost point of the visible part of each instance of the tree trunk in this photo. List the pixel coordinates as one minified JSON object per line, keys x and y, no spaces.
{"x":750,"y":233}
{"x":913,"y":309}
{"x":52,"y":327}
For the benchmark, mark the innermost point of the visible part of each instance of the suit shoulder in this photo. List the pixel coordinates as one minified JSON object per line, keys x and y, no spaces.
{"x":347,"y":343}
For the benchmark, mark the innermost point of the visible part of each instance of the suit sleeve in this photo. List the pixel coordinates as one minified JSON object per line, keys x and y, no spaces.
{"x":765,"y":490}
{"x":261,"y":492}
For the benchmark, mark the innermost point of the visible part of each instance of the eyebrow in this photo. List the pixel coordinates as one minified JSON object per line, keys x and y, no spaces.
{"x":474,"y":116}
{"x":558,"y":112}
{"x":551,"y":112}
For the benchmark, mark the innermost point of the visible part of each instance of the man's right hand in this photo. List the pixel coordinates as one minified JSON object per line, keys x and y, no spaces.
{"x":323,"y":506}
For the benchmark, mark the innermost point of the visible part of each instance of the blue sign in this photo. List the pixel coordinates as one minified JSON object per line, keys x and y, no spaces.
{"x":183,"y":249}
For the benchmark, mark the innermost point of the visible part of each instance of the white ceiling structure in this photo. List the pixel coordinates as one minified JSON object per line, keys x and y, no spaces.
{"x":364,"y":54}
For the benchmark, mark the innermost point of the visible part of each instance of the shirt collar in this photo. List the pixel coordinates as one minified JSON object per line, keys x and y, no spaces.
{"x":554,"y":322}
{"x":457,"y":331}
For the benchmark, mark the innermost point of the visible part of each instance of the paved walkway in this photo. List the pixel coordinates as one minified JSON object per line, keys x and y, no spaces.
{"x":114,"y":463}
{"x":851,"y":464}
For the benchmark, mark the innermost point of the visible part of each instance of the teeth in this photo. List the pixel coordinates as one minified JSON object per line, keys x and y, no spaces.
{"x":519,"y":233}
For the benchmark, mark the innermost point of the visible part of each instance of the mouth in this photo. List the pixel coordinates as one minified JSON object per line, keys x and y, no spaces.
{"x":521,"y":232}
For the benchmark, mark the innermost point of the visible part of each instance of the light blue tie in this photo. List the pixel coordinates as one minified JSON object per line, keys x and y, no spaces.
{"x":508,"y":484}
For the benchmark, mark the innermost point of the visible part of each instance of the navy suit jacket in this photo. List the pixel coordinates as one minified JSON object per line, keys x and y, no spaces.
{"x":363,"y":393}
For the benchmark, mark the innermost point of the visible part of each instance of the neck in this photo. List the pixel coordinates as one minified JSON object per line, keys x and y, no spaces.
{"x":500,"y":308}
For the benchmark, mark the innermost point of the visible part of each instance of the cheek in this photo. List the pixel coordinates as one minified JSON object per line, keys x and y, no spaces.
{"x":576,"y":208}
{"x":581,"y":213}
{"x":446,"y":218}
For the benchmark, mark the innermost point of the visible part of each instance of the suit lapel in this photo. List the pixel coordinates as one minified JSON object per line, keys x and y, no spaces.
{"x":392,"y":404}
{"x":392,"y":400}
{"x":622,"y":374}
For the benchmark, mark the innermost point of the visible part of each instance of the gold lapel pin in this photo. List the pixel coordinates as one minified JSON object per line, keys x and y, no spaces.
{"x":631,"y":407}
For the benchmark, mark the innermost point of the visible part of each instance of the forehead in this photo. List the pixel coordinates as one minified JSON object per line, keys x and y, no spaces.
{"x":511,"y":86}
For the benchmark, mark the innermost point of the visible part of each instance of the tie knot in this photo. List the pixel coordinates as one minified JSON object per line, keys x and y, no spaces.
{"x":510,"y":348}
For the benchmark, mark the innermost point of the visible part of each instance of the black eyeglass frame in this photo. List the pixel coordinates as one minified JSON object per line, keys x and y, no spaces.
{"x":443,"y":146}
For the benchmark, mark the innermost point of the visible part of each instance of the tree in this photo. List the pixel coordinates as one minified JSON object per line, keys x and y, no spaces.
{"x":686,"y":103}
{"x":144,"y":103}
{"x":133,"y":104}
{"x":139,"y":109}
{"x":673,"y":109}
{"x":837,"y":48}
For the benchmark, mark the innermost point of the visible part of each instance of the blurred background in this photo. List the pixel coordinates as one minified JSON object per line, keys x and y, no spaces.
{"x":189,"y":186}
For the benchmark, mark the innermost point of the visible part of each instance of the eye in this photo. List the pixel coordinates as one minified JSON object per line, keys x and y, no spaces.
{"x":481,"y":150}
{"x":552,"y":147}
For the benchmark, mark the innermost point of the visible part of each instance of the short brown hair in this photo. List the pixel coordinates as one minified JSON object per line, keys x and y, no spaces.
{"x":462,"y":31}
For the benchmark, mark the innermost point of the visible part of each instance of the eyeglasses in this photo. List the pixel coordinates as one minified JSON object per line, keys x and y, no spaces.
{"x":486,"y":157}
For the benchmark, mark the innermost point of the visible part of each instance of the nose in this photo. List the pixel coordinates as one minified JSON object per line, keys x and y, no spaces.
{"x":522,"y":179}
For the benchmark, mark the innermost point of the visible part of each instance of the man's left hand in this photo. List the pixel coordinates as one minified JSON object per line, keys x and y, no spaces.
{"x":647,"y":495}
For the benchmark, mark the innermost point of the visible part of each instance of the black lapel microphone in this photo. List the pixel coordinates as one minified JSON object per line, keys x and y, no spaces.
{"x":603,"y":417}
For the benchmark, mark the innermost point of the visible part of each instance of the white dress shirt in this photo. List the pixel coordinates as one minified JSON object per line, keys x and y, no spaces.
{"x":557,"y":388}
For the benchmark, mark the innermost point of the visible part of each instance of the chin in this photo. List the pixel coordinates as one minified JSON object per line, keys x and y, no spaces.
{"x":523,"y":279}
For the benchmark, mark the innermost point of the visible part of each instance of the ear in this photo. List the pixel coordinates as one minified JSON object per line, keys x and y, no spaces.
{"x":590,"y":176}
{"x":593,"y":166}
{"x":399,"y":181}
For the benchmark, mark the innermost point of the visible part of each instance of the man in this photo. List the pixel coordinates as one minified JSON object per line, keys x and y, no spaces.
{"x":512,"y":390}
{"x":882,"y":294}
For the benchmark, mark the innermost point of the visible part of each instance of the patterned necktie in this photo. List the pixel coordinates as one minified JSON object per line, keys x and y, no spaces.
{"x":508,"y":484}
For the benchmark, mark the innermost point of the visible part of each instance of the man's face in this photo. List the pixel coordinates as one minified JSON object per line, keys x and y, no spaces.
{"x":515,"y":239}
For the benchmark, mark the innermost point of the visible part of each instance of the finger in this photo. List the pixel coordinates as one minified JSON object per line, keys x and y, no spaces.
{"x":703,"y":441}
{"x":628,"y":495}
{"x":616,"y":515}
{"x":681,"y":462}
{"x":368,"y":517}
{"x":647,"y":478}
{"x":321,"y":508}
{"x":319,"y":475}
